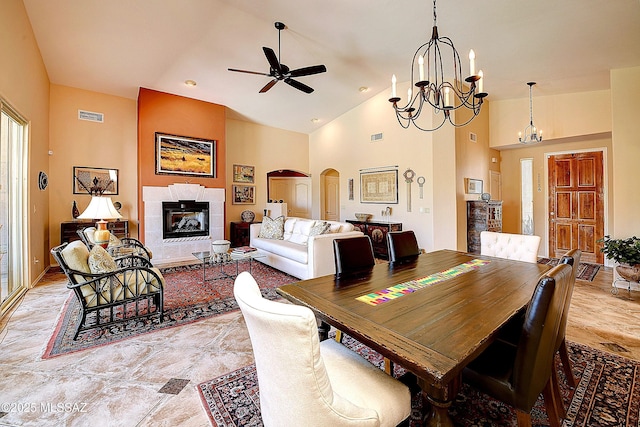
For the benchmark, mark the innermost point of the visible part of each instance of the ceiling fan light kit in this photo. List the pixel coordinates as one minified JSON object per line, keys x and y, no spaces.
{"x":433,"y":90}
{"x":531,"y":133}
{"x":279,"y":71}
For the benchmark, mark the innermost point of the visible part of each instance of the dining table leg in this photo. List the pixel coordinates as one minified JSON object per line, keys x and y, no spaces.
{"x":440,"y":398}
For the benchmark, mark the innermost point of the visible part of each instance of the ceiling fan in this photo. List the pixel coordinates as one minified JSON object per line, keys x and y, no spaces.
{"x":279,"y":71}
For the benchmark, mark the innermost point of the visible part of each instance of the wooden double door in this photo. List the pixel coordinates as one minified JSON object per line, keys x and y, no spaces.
{"x":576,"y":204}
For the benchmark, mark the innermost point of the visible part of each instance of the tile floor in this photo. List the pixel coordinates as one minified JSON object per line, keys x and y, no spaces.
{"x":122,"y":384}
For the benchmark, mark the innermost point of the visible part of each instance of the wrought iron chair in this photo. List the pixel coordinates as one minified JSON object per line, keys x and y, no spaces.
{"x":110,"y":290}
{"x":118,"y":246}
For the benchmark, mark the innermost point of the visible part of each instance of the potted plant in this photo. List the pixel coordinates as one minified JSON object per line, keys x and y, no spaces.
{"x":626,"y":252}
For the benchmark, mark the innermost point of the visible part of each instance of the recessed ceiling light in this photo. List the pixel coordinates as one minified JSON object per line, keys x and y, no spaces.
{"x":315,"y":120}
{"x":190,"y":82}
{"x":363,"y":89}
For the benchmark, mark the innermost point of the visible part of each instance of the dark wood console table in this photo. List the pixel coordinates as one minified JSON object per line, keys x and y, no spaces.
{"x":68,"y":229}
{"x":377,"y":231}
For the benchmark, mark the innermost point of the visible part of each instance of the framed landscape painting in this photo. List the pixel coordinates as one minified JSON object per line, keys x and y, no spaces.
{"x":180,"y":155}
{"x":243,"y":174}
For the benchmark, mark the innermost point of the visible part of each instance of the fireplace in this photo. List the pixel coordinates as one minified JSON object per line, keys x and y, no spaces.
{"x":185,"y":218}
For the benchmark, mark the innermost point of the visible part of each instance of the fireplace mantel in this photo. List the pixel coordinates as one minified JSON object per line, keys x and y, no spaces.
{"x":176,"y":250}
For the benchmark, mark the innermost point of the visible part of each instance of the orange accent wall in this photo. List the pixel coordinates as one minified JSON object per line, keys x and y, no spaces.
{"x":176,"y":115}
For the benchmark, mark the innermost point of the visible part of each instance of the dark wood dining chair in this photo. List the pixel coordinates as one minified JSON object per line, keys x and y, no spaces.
{"x":353,"y":256}
{"x":403,"y":246}
{"x":517,"y":374}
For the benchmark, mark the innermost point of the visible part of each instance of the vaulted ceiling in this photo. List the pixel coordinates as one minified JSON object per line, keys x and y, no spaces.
{"x":117,"y":46}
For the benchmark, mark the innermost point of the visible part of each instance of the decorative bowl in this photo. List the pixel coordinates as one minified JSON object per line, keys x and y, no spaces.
{"x":220,"y":246}
{"x":363,"y":217}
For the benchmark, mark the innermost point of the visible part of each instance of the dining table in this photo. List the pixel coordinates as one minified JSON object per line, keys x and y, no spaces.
{"x":432,"y":316}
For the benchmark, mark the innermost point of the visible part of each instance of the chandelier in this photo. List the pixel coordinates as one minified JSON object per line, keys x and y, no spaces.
{"x":432,"y":88}
{"x":531,"y":135}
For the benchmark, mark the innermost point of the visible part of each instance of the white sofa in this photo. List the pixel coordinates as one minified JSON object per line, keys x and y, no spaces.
{"x":297,"y":253}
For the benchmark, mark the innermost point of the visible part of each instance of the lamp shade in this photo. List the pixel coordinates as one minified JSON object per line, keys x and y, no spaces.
{"x":100,"y":207}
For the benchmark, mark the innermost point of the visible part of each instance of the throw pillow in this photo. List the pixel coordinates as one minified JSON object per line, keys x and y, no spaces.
{"x":272,"y":228}
{"x":100,"y":261}
{"x":320,"y":227}
{"x":114,"y":241}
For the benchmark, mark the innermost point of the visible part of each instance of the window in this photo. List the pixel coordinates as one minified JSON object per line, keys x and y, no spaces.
{"x":526,"y":195}
{"x":13,"y":195}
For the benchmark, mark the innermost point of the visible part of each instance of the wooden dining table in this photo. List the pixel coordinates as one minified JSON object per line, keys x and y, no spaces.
{"x":431,"y":316}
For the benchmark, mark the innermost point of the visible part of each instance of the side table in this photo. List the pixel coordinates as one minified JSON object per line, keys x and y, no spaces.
{"x":239,"y":233}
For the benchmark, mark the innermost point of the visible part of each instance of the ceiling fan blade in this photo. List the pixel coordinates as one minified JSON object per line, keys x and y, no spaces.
{"x":248,"y":72}
{"x":307,"y":71}
{"x":268,"y":85}
{"x":300,"y":86}
{"x":273,"y":60}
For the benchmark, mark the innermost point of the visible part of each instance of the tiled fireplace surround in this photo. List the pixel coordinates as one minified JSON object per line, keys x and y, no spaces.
{"x":175,"y":250}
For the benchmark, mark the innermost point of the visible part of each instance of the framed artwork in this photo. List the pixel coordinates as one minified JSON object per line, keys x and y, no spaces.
{"x":243,"y":174}
{"x":474,"y":186}
{"x":95,"y":181}
{"x":379,"y":186}
{"x":243,"y":195}
{"x":180,"y":155}
{"x":350,"y":186}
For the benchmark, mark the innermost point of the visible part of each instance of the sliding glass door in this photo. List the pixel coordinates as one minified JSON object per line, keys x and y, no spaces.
{"x":13,"y":222}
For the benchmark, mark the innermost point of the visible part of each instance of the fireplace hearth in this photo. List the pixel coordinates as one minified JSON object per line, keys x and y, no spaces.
{"x":185,"y":218}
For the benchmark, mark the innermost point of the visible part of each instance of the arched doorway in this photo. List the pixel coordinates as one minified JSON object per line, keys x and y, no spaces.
{"x":330,"y":195}
{"x":293,"y":188}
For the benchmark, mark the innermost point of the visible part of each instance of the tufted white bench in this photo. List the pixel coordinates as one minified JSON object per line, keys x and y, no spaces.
{"x":518,"y":247}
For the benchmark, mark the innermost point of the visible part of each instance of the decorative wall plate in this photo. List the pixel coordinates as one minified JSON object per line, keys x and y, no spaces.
{"x":248,"y":216}
{"x":43,"y":180}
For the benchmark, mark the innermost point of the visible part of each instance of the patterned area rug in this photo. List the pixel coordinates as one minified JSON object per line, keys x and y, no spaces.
{"x":608,"y":394}
{"x":586,"y":271}
{"x":186,"y":299}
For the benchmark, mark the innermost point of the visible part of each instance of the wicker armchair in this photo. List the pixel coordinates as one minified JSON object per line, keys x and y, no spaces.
{"x":117,"y":247}
{"x":132,"y":288}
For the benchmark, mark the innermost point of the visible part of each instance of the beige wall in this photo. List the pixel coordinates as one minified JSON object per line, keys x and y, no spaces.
{"x":24,"y":85}
{"x":75,"y":142}
{"x":625,"y":91}
{"x":345,"y":145}
{"x":267,"y":149}
{"x":560,"y":116}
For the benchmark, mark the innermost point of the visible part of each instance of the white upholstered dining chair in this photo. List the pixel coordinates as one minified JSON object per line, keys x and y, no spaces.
{"x":307,"y":382}
{"x":520,"y":247}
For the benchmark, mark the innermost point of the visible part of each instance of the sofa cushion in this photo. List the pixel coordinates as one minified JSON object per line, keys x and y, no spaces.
{"x":100,"y":261}
{"x":320,"y":227}
{"x":284,"y":248}
{"x":301,"y":230}
{"x":272,"y":228}
{"x":76,"y":255}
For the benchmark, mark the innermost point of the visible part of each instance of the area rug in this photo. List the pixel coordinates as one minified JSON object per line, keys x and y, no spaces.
{"x":186,"y":299}
{"x":586,"y":270}
{"x":608,"y":394}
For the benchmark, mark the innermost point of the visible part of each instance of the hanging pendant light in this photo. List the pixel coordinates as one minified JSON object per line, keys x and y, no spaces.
{"x":532,"y":134}
{"x":443,"y":96}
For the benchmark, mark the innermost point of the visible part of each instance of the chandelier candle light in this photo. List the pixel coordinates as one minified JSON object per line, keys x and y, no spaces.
{"x":433,"y":89}
{"x":531,"y":135}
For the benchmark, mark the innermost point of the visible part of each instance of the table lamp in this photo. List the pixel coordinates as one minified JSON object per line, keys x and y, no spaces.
{"x":100,"y":208}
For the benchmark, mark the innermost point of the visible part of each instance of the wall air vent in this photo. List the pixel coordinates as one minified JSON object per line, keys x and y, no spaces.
{"x":90,"y":116}
{"x":376,"y":137}
{"x":473,"y":137}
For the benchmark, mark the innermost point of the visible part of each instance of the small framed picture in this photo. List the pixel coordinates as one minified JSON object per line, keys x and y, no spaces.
{"x":243,"y":195}
{"x":243,"y":174}
{"x":474,"y":186}
{"x":95,"y":181}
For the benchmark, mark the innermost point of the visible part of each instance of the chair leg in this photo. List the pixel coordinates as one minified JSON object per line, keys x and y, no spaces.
{"x":551,"y":405}
{"x":524,"y":418}
{"x":388,"y":366}
{"x":566,"y":364}
{"x":555,"y":388}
